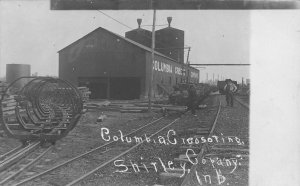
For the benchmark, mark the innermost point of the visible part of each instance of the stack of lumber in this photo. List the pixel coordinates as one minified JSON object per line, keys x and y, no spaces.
{"x":143,"y":107}
{"x":102,"y":105}
{"x":3,"y":86}
{"x":85,"y":93}
{"x":133,"y":107}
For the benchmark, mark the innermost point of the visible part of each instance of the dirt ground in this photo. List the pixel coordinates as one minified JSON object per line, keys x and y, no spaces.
{"x":87,"y":135}
{"x":150,"y":153}
{"x":227,"y":166}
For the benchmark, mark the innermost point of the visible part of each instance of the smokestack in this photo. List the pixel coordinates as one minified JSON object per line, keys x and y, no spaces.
{"x":169,"y":20}
{"x":139,"y":21}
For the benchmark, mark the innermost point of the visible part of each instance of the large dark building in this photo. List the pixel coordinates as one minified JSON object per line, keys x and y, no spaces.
{"x":116,"y":67}
{"x":140,"y":35}
{"x":170,"y":42}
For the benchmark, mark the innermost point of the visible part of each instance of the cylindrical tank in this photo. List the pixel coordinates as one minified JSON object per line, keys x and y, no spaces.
{"x":140,"y":35}
{"x":15,"y":71}
{"x":170,"y":42}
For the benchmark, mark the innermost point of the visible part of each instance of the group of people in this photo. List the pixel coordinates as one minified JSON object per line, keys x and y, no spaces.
{"x":230,"y":88}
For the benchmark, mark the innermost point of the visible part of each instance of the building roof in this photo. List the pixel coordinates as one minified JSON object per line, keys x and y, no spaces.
{"x":139,"y":30}
{"x":124,"y":38}
{"x":121,"y":37}
{"x":169,"y":28}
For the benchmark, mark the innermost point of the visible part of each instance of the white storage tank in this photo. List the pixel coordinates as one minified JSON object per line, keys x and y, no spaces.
{"x":15,"y":71}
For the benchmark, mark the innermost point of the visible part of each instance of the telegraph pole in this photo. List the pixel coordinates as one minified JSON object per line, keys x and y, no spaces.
{"x":152,"y":59}
{"x":187,"y":58}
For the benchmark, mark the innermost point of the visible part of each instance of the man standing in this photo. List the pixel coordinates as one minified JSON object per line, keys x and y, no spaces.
{"x":229,"y":89}
{"x":192,"y":98}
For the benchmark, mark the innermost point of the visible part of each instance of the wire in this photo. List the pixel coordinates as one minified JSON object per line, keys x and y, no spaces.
{"x":155,"y":25}
{"x":132,"y":28}
{"x":114,"y":19}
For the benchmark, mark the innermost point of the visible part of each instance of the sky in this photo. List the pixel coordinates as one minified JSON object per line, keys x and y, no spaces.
{"x":32,"y":34}
{"x":268,"y":39}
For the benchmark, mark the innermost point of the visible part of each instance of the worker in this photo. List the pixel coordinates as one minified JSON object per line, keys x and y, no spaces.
{"x":192,"y":98}
{"x":229,"y":89}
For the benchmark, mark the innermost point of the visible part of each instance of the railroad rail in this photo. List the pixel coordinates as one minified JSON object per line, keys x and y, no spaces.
{"x":19,"y":160}
{"x":3,"y":156}
{"x":208,"y":151}
{"x":165,"y":122}
{"x":242,"y":102}
{"x":205,"y":133}
{"x":205,"y":146}
{"x":118,"y":156}
{"x":108,"y":147}
{"x":103,"y":147}
{"x":132,"y":148}
{"x":43,"y":108}
{"x":17,"y":155}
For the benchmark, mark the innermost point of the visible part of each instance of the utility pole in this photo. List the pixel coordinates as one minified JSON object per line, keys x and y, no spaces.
{"x":152,"y":59}
{"x":188,"y":54}
{"x":242,"y":81}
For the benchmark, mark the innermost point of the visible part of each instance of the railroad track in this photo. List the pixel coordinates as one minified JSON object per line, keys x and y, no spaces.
{"x":242,"y":102}
{"x":11,"y":168}
{"x":20,"y":159}
{"x":111,"y":147}
{"x":204,"y":130}
{"x":7,"y":154}
{"x":217,"y":151}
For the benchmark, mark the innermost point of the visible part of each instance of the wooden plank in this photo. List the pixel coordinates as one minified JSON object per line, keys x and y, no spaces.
{"x":8,"y":108}
{"x":131,"y":111}
{"x":140,"y":108}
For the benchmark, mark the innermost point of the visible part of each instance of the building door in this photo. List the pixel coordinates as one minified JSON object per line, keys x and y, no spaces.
{"x":125,"y":88}
{"x":97,"y":85}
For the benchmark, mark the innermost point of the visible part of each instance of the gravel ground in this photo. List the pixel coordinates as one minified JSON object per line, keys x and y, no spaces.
{"x":7,"y":144}
{"x":226,"y":166}
{"x":85,"y":136}
{"x":244,"y":98}
{"x":152,"y":153}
